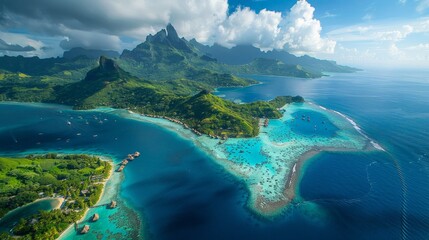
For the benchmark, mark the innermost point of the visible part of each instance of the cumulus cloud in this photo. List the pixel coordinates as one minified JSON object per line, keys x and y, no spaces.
{"x":89,"y":40}
{"x":132,"y":18}
{"x":395,"y":35}
{"x":245,"y":26}
{"x":381,"y":32}
{"x":399,"y":44}
{"x":102,"y":23}
{"x":422,"y":6}
{"x":298,"y":31}
{"x":301,"y":31}
{"x":4,"y":46}
{"x":14,"y":44}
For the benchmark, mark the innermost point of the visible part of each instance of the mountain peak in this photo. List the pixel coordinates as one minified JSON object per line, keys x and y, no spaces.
{"x":165,"y":35}
{"x":89,"y":53}
{"x":107,"y":64}
{"x":107,"y":70}
{"x":172,"y":33}
{"x":164,"y":46}
{"x":160,"y":36}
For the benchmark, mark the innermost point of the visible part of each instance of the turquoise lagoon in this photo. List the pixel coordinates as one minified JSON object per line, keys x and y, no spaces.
{"x":355,"y":189}
{"x":269,"y":163}
{"x":8,"y":221}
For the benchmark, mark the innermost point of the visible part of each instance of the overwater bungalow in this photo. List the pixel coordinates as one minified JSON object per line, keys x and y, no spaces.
{"x":266,"y":122}
{"x":95,"y":217}
{"x":112,"y":204}
{"x":85,"y":229}
{"x":124,"y":162}
{"x":136,"y":154}
{"x":121,"y":168}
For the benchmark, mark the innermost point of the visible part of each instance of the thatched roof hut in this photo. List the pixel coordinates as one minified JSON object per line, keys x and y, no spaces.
{"x":85,"y":229}
{"x":121,"y":168}
{"x":112,"y":204}
{"x":95,"y":217}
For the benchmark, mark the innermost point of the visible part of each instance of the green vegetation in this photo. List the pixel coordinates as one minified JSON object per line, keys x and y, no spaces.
{"x":215,"y":116}
{"x":76,"y":177}
{"x":279,"y":102}
{"x":165,"y":56}
{"x":45,"y":225}
{"x":109,"y":85}
{"x":273,"y":67}
{"x":165,"y":76}
{"x":34,"y":79}
{"x":245,"y":54}
{"x":36,"y":67}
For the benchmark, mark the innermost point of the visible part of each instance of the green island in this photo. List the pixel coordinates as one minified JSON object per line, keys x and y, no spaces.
{"x":166,"y":76}
{"x":79,"y":178}
{"x":109,"y":85}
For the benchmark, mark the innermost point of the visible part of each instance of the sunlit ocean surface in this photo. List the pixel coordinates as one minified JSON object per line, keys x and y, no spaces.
{"x":175,"y":191}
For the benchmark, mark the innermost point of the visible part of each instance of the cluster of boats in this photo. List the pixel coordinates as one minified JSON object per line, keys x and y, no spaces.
{"x":303,"y":118}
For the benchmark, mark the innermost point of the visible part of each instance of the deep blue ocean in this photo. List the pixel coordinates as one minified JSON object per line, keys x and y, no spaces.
{"x":181,"y":193}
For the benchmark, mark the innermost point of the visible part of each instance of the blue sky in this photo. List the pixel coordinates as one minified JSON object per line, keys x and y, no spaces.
{"x":406,"y":21}
{"x":364,"y":33}
{"x":339,"y":13}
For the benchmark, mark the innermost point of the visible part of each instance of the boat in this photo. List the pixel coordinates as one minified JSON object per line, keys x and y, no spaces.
{"x":68,"y":123}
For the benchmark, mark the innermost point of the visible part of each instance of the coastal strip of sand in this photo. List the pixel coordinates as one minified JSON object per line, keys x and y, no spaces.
{"x":55,"y":205}
{"x":60,"y":201}
{"x":272,"y":172}
{"x":104,"y":182}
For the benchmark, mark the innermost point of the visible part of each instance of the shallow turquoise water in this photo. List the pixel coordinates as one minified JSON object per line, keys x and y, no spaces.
{"x":12,"y":218}
{"x":180,"y":193}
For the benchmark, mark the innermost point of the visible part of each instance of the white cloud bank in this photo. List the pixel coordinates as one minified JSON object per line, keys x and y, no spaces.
{"x":112,"y":24}
{"x":102,"y":23}
{"x":384,"y":44}
{"x":297,"y":32}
